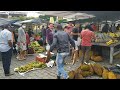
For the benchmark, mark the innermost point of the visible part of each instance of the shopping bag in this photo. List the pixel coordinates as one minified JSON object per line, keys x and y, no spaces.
{"x":48,"y":47}
{"x":78,"y":41}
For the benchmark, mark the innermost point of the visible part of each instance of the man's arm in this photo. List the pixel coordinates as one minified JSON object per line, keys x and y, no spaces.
{"x":10,"y":43}
{"x":52,"y":47}
{"x":10,"y":39}
{"x":93,"y":35}
{"x":71,"y":41}
{"x":47,"y":32}
{"x":54,"y":43}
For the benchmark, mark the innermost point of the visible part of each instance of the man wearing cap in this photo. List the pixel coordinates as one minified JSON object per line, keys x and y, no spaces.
{"x":61,"y":41}
{"x":6,"y":49}
{"x":22,"y":42}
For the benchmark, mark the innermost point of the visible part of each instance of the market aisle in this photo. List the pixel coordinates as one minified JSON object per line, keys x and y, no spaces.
{"x":47,"y":73}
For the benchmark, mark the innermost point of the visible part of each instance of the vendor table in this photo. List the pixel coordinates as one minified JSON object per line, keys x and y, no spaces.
{"x":112,"y":52}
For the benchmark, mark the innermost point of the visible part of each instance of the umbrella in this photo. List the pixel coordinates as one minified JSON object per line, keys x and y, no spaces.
{"x":37,"y":21}
{"x":4,"y":21}
{"x":17,"y":23}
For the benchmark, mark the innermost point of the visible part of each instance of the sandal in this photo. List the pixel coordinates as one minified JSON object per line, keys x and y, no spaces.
{"x":17,"y":57}
{"x":24,"y":58}
{"x":20,"y":59}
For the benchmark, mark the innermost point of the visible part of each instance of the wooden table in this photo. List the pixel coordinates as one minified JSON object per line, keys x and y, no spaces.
{"x":112,"y":52}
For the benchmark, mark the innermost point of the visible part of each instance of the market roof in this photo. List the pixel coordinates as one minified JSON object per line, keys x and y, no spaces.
{"x":57,"y":13}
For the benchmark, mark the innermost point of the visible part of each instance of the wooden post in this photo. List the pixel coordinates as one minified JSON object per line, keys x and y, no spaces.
{"x":111,"y":54}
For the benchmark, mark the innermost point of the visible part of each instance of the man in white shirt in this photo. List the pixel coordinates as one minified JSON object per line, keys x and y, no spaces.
{"x":0,"y":52}
{"x":6,"y":49}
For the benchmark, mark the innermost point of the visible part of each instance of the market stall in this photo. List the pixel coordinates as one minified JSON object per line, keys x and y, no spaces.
{"x":109,"y":41}
{"x":112,"y":49}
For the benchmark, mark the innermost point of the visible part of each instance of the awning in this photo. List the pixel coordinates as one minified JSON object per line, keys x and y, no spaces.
{"x":78,"y":16}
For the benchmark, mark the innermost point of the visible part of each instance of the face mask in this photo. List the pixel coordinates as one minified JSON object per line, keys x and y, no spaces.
{"x":23,"y":26}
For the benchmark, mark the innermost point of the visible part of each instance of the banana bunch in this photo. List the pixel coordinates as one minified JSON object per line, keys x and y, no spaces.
{"x":39,"y":49}
{"x":30,"y":66}
{"x":34,"y":44}
{"x":117,"y":34}
{"x":112,"y":35}
{"x":111,"y":42}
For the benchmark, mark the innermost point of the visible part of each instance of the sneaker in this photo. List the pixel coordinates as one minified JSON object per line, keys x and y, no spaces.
{"x":58,"y":77}
{"x":9,"y":74}
{"x":67,"y":77}
{"x":85,"y":63}
{"x":17,"y":57}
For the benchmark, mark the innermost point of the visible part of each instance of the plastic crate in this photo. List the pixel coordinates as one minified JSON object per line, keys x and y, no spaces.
{"x":38,"y":58}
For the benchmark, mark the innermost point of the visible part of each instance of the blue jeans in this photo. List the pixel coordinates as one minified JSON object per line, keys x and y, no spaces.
{"x":60,"y":65}
{"x":6,"y":60}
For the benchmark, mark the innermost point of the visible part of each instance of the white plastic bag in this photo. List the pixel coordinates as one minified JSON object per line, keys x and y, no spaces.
{"x":48,"y":47}
{"x":50,"y":63}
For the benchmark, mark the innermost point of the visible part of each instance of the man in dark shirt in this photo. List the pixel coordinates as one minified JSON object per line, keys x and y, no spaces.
{"x":76,"y":31}
{"x":75,"y":34}
{"x":61,"y":41}
{"x":49,"y":34}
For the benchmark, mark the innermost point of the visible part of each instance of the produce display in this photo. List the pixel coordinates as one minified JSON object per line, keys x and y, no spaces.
{"x":108,"y":38}
{"x":85,"y":70}
{"x":98,"y":69}
{"x":105,"y":73}
{"x":30,"y":66}
{"x":37,"y":48}
{"x":111,"y":75}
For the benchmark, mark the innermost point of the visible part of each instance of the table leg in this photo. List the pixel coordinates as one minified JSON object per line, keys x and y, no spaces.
{"x":111,"y":54}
